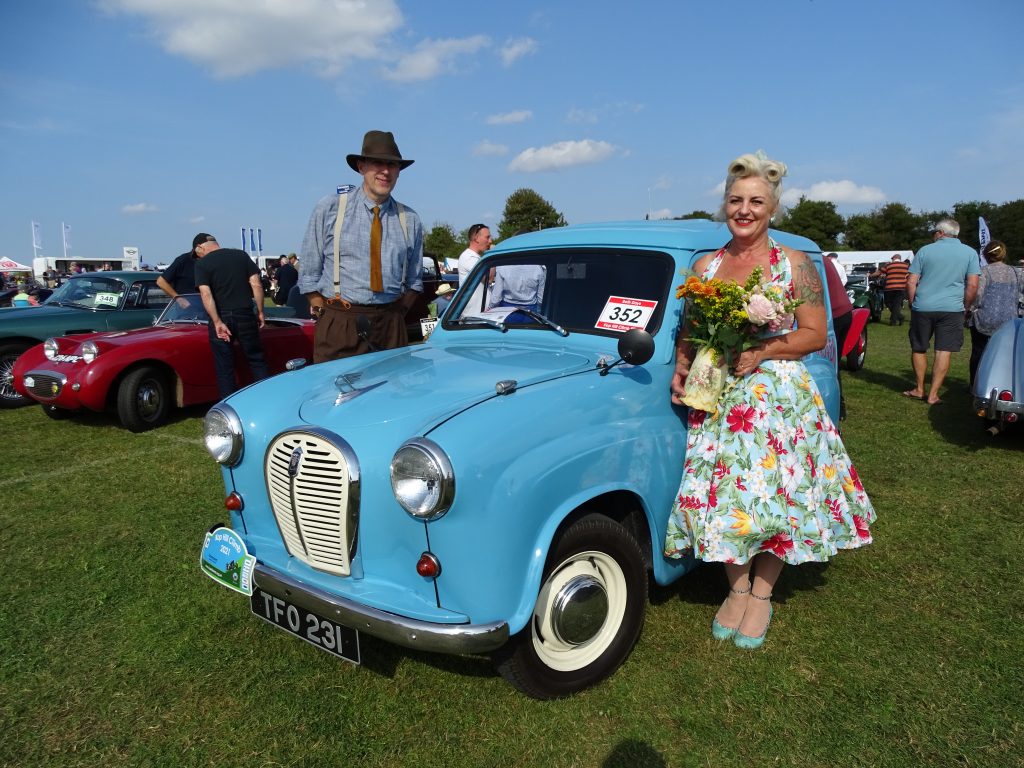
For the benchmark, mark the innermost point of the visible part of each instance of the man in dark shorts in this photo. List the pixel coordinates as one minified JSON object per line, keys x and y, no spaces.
{"x":229,"y":281}
{"x":943,"y":280}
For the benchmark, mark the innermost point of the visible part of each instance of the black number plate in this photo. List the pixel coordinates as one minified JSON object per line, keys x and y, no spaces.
{"x":325,"y":634}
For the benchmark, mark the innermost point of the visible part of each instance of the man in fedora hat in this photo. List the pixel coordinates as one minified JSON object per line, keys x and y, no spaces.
{"x":367,"y":262}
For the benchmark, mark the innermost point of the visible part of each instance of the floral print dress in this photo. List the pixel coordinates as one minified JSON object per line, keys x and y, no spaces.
{"x":767,"y":471}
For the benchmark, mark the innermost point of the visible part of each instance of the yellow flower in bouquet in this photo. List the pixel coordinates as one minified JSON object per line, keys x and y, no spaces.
{"x":723,"y":319}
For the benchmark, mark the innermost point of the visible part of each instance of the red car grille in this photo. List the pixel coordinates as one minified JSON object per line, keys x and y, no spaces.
{"x":45,"y":386}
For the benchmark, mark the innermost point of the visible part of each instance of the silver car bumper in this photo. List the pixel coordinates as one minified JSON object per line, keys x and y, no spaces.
{"x":994,"y":408}
{"x":410,"y":633}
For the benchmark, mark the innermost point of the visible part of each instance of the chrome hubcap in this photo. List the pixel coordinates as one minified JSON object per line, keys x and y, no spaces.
{"x":579,"y":610}
{"x":148,"y":399}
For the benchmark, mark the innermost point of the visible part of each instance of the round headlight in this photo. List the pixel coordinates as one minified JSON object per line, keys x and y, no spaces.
{"x":422,"y":479}
{"x":90,"y":351}
{"x":50,"y":349}
{"x":222,"y":434}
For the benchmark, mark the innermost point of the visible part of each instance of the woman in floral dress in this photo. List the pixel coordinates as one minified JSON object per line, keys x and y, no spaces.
{"x":767,"y":480}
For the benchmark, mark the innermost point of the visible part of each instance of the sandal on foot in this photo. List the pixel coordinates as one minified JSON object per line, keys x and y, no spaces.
{"x":720,"y":632}
{"x":753,"y":643}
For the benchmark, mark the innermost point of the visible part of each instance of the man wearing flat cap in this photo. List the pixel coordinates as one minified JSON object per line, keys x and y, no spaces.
{"x":365,"y":262}
{"x":180,"y":277}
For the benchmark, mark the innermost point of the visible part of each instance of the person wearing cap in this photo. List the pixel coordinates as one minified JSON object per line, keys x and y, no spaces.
{"x":479,"y":244}
{"x":180,"y":276}
{"x":23,"y":298}
{"x":943,"y":281}
{"x":894,"y":276}
{"x":229,"y":283}
{"x":444,"y":298}
{"x":374,"y":270}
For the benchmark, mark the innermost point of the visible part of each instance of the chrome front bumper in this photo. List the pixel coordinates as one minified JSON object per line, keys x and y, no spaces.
{"x":400,"y":630}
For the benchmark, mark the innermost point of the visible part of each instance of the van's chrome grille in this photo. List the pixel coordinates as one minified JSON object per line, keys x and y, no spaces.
{"x":313,"y":485}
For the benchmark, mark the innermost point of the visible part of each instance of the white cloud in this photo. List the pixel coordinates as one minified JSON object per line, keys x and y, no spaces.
{"x":38,"y":125}
{"x":661,"y":183}
{"x":239,"y":37}
{"x":661,"y":213}
{"x":505,"y":118}
{"x":489,"y":149}
{"x":134,"y":209}
{"x":844,"y":191}
{"x":434,"y":57}
{"x":603,"y":111}
{"x":578,"y":115}
{"x":197,"y":220}
{"x":563,"y":154}
{"x":516,"y":48}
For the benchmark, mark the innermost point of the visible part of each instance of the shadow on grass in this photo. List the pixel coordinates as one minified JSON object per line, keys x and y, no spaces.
{"x":383,"y":659}
{"x":634,"y":754}
{"x":109,"y":418}
{"x":707,"y":585}
{"x":954,"y":419}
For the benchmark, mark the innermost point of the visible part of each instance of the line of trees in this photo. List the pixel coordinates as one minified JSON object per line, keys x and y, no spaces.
{"x":525,"y":211}
{"x":889,"y":227}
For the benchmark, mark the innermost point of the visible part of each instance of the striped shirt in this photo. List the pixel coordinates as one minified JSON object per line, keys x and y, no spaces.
{"x":896,"y":275}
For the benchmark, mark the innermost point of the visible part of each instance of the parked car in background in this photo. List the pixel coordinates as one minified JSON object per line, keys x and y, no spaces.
{"x":432,"y":280}
{"x":519,"y":515}
{"x":143,"y":374}
{"x":85,"y":303}
{"x":866,"y":292}
{"x":855,"y":350}
{"x":999,"y":382}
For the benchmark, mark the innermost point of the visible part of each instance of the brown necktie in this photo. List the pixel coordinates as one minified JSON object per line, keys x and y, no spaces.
{"x":376,"y":275}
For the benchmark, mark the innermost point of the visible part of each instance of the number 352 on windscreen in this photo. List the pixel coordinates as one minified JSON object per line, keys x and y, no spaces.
{"x":621,"y":313}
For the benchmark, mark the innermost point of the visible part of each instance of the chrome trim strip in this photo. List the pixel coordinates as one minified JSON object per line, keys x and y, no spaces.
{"x":399,"y":630}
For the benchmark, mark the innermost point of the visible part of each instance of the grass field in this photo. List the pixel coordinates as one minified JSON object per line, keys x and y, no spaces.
{"x":116,"y":651}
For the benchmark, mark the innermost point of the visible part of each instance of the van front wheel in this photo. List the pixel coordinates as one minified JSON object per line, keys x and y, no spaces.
{"x":588,"y":614}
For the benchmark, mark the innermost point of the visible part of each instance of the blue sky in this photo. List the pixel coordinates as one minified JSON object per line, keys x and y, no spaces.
{"x":142,"y":122}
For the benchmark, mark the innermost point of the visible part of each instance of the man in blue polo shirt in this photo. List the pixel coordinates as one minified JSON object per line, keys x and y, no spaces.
{"x":943,"y":280}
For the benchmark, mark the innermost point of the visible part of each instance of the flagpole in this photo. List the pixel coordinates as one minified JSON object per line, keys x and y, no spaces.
{"x":36,"y":242}
{"x":64,"y":237}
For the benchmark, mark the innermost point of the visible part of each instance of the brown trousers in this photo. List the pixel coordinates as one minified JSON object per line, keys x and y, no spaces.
{"x":337,"y":332}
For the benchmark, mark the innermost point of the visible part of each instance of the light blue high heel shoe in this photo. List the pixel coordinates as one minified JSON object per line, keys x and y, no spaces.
{"x":753,"y":643}
{"x":720,"y":632}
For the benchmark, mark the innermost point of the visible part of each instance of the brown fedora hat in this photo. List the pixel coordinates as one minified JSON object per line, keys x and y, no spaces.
{"x":379,"y":145}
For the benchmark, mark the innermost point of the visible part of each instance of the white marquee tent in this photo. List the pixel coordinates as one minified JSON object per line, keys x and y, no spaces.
{"x":10,"y":265}
{"x":850,"y":259}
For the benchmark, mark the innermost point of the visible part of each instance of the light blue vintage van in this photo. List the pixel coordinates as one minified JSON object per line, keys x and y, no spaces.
{"x":502,"y":488}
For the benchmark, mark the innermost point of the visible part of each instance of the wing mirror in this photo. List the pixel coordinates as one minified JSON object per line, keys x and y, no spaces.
{"x":636,"y":347}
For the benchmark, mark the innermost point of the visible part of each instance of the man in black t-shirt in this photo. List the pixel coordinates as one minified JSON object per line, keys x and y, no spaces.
{"x":287,"y":276}
{"x":228,"y":282}
{"x":180,"y":277}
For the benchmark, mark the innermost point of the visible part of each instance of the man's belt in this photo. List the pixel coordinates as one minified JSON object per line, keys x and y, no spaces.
{"x":344,"y":305}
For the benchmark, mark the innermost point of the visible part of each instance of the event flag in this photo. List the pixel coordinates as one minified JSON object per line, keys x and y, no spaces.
{"x":243,"y":238}
{"x":37,"y":240}
{"x":67,"y":238}
{"x":259,"y":239}
{"x":252,"y":241}
{"x":983,"y":239}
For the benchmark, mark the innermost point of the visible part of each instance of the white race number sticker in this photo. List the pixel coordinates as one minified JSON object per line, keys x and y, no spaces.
{"x":624,"y":314}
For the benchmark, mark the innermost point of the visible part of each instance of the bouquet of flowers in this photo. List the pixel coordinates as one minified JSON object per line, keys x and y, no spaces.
{"x":724,"y":319}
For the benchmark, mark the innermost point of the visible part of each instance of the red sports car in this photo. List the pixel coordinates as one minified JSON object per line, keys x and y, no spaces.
{"x":143,"y":373}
